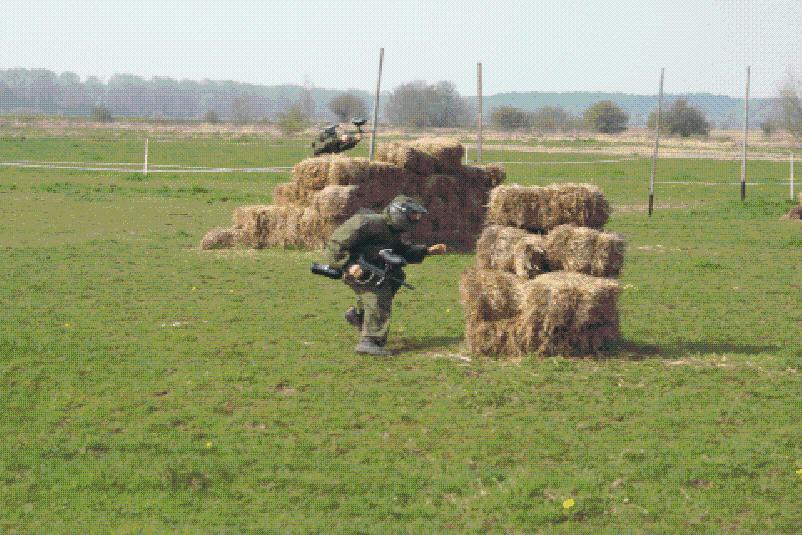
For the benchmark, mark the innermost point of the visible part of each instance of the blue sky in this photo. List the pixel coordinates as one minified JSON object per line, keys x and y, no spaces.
{"x":525,"y":46}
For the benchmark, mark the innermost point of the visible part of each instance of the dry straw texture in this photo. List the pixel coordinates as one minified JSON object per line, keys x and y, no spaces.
{"x":543,"y":208}
{"x":407,"y":157}
{"x":794,"y":213}
{"x":312,"y":173}
{"x":483,"y":176}
{"x":510,"y":249}
{"x":556,"y":313}
{"x":269,"y":225}
{"x":327,"y":190}
{"x":334,"y":201}
{"x":221,"y":237}
{"x":529,"y":257}
{"x":290,"y":193}
{"x":585,"y":250}
{"x":447,"y":152}
{"x":566,"y":313}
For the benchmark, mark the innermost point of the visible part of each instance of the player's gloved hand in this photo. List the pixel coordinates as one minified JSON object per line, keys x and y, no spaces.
{"x":355,"y":272}
{"x":440,"y":248}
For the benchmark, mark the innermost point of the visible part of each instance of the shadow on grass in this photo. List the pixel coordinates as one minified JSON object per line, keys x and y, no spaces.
{"x":405,"y":345}
{"x":634,"y":350}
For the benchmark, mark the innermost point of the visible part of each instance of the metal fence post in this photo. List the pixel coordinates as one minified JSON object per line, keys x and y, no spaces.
{"x":376,"y":106}
{"x":656,"y":142}
{"x":746,"y":135}
{"x":145,"y":168}
{"x":479,"y":112}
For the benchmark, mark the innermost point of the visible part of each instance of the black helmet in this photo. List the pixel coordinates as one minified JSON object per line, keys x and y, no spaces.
{"x":404,"y":212}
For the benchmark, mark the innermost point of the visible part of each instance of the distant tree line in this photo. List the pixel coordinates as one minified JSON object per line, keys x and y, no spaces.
{"x":42,"y":91}
{"x":680,"y":119}
{"x":415,"y":104}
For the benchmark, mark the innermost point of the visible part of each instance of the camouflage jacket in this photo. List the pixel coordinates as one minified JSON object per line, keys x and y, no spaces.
{"x":367,"y":234}
{"x":333,"y":144}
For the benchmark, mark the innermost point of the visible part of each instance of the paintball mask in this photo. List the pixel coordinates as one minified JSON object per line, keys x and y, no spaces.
{"x":359,"y":122}
{"x":404,"y":212}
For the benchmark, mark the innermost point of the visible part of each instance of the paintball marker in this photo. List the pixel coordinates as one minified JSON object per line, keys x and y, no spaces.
{"x":359,"y":122}
{"x":392,"y":262}
{"x":375,"y":274}
{"x":327,"y":271}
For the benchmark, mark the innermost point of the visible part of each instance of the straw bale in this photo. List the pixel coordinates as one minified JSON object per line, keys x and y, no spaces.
{"x":314,"y":229}
{"x":567,"y":313}
{"x":312,"y":173}
{"x":489,"y":295}
{"x":483,"y":176}
{"x":269,"y":225}
{"x":492,"y":338}
{"x":220,"y":238}
{"x":407,"y":157}
{"x":794,"y":213}
{"x":556,"y":313}
{"x":344,"y":171}
{"x":285,"y":193}
{"x":494,"y":249}
{"x":585,"y":250}
{"x":529,"y":256}
{"x":326,"y":190}
{"x":543,"y":208}
{"x":512,"y":250}
{"x":334,"y":201}
{"x":447,"y":152}
{"x":494,"y":174}
{"x":290,"y":193}
{"x":249,"y":218}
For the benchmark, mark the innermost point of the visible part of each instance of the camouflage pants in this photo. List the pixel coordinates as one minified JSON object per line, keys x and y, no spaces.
{"x":377,"y":304}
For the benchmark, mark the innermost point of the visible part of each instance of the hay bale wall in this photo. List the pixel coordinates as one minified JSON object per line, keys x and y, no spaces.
{"x":538,"y":208}
{"x":568,"y":313}
{"x":560,"y":312}
{"x":584,"y":250}
{"x":542,"y":283}
{"x":567,"y":247}
{"x":511,"y":250}
{"x":327,"y":190}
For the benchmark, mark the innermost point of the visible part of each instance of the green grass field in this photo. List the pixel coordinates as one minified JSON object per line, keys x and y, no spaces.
{"x":147,"y":386}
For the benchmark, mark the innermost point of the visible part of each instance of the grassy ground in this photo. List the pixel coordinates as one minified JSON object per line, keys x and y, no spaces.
{"x":147,"y":386}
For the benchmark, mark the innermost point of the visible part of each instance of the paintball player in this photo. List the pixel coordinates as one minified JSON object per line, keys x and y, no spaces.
{"x":368,"y":252}
{"x":329,"y":142}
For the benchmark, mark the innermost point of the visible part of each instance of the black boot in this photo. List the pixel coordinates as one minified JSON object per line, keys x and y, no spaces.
{"x":369,"y":346}
{"x":354,"y":316}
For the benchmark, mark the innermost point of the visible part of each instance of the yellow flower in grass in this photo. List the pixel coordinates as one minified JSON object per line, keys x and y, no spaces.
{"x":567,"y":504}
{"x":194,"y":289}
{"x":799,"y":472}
{"x":68,"y":325}
{"x":209,"y":445}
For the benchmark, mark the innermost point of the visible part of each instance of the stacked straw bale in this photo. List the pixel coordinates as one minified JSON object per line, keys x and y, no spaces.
{"x":542,"y":283}
{"x":543,"y":208}
{"x":326,"y":190}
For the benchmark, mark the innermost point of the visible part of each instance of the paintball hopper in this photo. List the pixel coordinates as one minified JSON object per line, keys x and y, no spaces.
{"x":392,"y":259}
{"x":326,"y":271}
{"x":359,"y":121}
